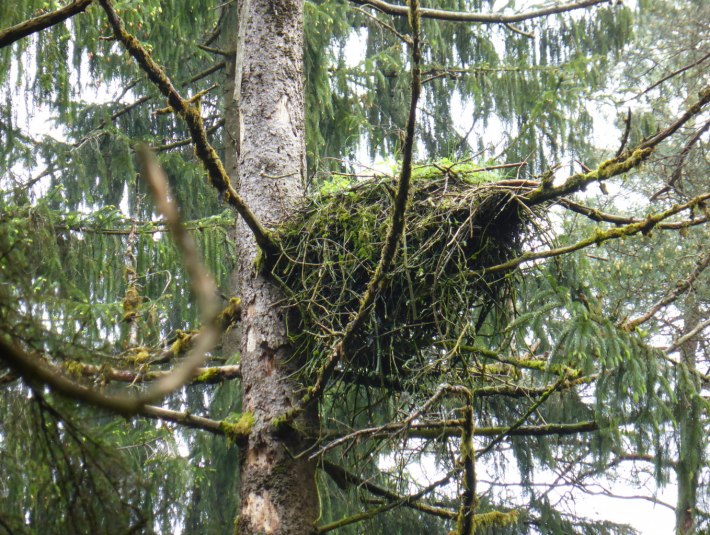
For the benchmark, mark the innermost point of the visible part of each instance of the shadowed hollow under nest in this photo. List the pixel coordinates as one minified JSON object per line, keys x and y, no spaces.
{"x":459,"y":220}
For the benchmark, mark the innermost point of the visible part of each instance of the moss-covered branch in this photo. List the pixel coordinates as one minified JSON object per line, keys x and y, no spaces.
{"x":618,"y":165}
{"x":600,"y":236}
{"x":520,"y":391}
{"x":483,"y":18}
{"x":603,"y":217}
{"x":465,"y":520}
{"x":184,"y":419}
{"x":42,"y":22}
{"x":183,"y":341}
{"x":206,"y":375}
{"x":203,"y":149}
{"x":536,"y":364}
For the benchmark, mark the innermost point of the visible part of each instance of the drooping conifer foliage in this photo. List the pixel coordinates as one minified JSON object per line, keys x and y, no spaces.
{"x":486,"y":287}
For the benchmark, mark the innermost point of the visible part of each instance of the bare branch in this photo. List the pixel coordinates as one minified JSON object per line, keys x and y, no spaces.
{"x":677,"y":172}
{"x":675,"y":73}
{"x":704,"y":98}
{"x":181,"y":143}
{"x":219,"y":52}
{"x":699,"y":327}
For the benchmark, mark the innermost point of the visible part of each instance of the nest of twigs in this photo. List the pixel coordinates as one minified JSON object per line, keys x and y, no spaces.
{"x":459,"y":221}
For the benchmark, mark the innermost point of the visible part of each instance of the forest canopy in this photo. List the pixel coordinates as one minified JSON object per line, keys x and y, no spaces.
{"x":312,"y":266}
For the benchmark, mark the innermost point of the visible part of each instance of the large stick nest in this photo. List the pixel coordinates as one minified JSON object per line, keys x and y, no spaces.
{"x":458,"y":222}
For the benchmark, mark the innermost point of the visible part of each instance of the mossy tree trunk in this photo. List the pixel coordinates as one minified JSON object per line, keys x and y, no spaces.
{"x":278,"y":493}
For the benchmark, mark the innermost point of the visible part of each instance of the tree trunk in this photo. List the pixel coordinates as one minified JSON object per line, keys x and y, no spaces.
{"x":278,"y":493}
{"x":691,"y":440}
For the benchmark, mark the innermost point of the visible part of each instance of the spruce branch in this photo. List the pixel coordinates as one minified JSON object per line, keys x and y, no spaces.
{"x":600,"y":236}
{"x":203,"y":149}
{"x":484,"y":18}
{"x":34,"y":369}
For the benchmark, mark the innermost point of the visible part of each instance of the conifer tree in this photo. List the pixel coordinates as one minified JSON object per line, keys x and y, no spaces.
{"x":483,"y":310}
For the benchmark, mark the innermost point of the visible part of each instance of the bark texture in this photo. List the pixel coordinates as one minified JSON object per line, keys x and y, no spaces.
{"x":278,"y":493}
